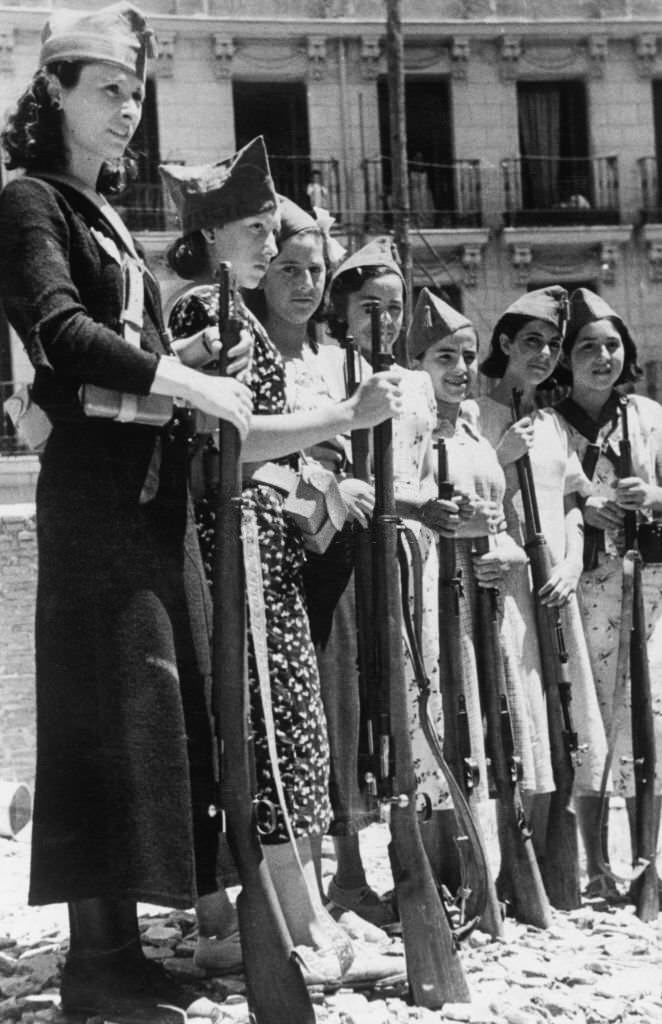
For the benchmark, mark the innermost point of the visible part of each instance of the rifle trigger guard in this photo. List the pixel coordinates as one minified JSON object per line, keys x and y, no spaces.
{"x":424,"y":806}
{"x":265,"y":817}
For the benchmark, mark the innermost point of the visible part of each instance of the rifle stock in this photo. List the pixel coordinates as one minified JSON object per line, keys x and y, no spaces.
{"x":457,"y":737}
{"x":527,"y":893}
{"x":560,"y":864}
{"x":434,"y":969}
{"x":645,"y":887}
{"x":275,"y":985}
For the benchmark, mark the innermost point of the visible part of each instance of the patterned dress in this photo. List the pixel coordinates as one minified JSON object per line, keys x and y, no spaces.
{"x":301,"y":736}
{"x":556,"y":472}
{"x":601,"y":587}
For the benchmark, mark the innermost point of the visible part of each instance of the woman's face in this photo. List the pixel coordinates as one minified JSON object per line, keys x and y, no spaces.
{"x":387,"y":292}
{"x":294,"y":282}
{"x":533,"y":352}
{"x":597,"y":356}
{"x":451,"y":364}
{"x":100,"y":114}
{"x":248,"y":244}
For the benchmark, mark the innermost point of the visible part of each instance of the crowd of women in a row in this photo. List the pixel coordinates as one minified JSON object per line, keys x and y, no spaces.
{"x":125,"y":770}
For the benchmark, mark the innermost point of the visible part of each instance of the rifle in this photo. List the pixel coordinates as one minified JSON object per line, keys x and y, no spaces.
{"x":560,"y":864}
{"x":643,"y":734}
{"x":275,"y":985}
{"x":457,"y":736}
{"x":433,"y":965}
{"x":527,"y":894}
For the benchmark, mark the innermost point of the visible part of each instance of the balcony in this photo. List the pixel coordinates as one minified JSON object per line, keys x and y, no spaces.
{"x":543,"y":191}
{"x":440,"y":195}
{"x":293,"y":174}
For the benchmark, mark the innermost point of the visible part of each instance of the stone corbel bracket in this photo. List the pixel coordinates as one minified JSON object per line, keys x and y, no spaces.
{"x":598,"y":49}
{"x":609,"y":256}
{"x":316,"y":53}
{"x":521,"y":257}
{"x":460,"y":51}
{"x":645,"y":49}
{"x":7,"y":43}
{"x":165,"y":66}
{"x":510,"y":54}
{"x":472,"y":261}
{"x":654,"y":253}
{"x":370,"y":56}
{"x":224,"y":51}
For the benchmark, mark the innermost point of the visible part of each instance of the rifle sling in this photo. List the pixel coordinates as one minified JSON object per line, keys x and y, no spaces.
{"x":407,"y":541}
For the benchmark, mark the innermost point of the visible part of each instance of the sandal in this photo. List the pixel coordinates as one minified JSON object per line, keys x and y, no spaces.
{"x":219,"y":956}
{"x":363,"y":901}
{"x":603,"y":887}
{"x":370,"y":968}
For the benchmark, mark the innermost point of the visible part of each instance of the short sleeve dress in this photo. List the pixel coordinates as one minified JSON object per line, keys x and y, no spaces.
{"x":301,"y":734}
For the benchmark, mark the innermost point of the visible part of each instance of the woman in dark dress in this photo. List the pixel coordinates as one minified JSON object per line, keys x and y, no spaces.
{"x":124,"y":758}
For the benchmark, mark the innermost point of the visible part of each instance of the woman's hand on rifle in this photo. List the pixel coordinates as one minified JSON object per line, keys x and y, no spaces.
{"x":202,"y":349}
{"x":359,"y":497}
{"x":516,"y":441}
{"x":484,"y":515}
{"x":561,"y":585}
{"x":633,"y":493}
{"x":442,"y":515}
{"x":377,"y":399}
{"x":603,"y":513}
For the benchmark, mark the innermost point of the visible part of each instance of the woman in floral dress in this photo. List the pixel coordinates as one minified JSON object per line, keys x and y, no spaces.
{"x":226,"y":218}
{"x":524,"y":351}
{"x":600,"y":355}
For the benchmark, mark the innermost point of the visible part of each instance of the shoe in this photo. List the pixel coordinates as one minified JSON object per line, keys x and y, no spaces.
{"x":364,"y":901}
{"x":370,"y":968}
{"x":219,"y":956}
{"x":602,"y":887}
{"x":357,"y":927}
{"x":108,"y":984}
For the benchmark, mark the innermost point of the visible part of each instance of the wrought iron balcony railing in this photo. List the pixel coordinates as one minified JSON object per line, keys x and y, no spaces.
{"x":651,"y":200}
{"x":440,"y":195}
{"x":543,"y":190}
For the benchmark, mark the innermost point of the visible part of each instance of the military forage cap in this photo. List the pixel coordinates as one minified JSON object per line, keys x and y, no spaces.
{"x":433,"y":319}
{"x":380,"y":252}
{"x":293,"y":219}
{"x":211,"y":195}
{"x":117,"y":34}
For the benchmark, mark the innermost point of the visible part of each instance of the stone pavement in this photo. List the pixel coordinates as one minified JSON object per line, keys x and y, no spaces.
{"x":597,"y":965}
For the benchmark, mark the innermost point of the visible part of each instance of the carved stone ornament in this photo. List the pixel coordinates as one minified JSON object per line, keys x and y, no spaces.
{"x":608,"y":262}
{"x":472,"y":260}
{"x":511,"y":52}
{"x":521,"y":257}
{"x":460,"y":53}
{"x":7,"y":41}
{"x":645,"y":49}
{"x":655,"y":261}
{"x":316,"y":52}
{"x":165,"y":66}
{"x":370,"y":56}
{"x":598,"y":48}
{"x":224,"y":51}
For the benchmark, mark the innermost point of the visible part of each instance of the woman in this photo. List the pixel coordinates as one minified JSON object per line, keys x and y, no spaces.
{"x":444,"y":344}
{"x":368,"y":277}
{"x":218,"y":224}
{"x":524,"y":351}
{"x":124,"y":765}
{"x":599,"y":355}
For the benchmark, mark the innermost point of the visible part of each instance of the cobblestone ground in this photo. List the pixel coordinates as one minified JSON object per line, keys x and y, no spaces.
{"x":595,"y":965}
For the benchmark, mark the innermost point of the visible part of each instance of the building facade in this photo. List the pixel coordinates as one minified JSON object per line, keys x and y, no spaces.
{"x":534,"y":135}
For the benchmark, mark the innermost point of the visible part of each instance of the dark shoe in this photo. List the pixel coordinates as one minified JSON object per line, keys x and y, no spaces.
{"x":108,"y":984}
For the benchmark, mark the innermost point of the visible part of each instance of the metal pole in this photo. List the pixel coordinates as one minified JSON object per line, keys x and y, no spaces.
{"x":398,"y":130}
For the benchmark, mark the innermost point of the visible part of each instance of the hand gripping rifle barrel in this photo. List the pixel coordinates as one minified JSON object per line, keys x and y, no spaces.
{"x":560,"y":868}
{"x":275,"y":986}
{"x":643,"y":730}
{"x":434,"y":969}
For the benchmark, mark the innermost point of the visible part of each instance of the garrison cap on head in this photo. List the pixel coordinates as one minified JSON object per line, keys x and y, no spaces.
{"x":116,"y":34}
{"x":293,"y":219}
{"x":433,"y":319}
{"x":211,"y":195}
{"x":549,"y":304}
{"x":380,"y":252}
{"x":586,"y":307}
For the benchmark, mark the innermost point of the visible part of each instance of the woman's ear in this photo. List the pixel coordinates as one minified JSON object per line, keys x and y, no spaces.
{"x":54,"y":90}
{"x":505,"y":344}
{"x":209,"y":235}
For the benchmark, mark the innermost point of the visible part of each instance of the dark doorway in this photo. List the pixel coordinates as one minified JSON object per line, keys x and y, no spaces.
{"x":432,"y":192}
{"x":279,"y":112}
{"x":142,"y":201}
{"x":657,"y":121}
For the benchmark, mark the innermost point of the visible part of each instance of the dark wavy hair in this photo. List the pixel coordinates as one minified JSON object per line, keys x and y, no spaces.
{"x":188,"y":256}
{"x":631,"y":371}
{"x":33,"y":138}
{"x":345,"y":285}
{"x":256,"y":302}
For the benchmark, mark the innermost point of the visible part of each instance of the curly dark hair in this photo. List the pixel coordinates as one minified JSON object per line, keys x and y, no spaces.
{"x":188,"y":256}
{"x":33,"y":138}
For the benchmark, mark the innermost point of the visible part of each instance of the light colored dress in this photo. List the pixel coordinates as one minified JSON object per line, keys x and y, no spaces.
{"x":556,"y":472}
{"x":600,"y":589}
